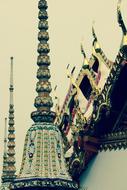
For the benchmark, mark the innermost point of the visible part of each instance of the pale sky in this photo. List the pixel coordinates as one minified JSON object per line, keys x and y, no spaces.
{"x":70,"y":23}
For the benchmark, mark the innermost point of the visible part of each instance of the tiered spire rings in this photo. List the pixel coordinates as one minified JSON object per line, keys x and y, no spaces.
{"x":43,"y":102}
{"x":11,"y":133}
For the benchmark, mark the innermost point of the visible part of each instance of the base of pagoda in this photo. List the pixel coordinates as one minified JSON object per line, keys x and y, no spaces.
{"x":45,"y":184}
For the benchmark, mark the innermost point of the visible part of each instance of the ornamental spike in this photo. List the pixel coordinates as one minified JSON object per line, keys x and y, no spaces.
{"x":120,"y":18}
{"x":11,"y":82}
{"x":85,"y":62}
{"x":123,"y":46}
{"x":93,"y":32}
{"x":82,"y":51}
{"x":96,"y":45}
{"x":72,"y":71}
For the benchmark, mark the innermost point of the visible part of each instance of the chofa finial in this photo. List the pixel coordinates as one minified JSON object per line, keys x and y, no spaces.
{"x":120,"y":19}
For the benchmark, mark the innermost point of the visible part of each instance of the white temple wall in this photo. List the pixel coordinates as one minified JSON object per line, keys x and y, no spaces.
{"x":108,"y":171}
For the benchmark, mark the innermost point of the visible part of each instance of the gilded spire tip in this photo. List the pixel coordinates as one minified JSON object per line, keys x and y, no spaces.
{"x":11,"y":88}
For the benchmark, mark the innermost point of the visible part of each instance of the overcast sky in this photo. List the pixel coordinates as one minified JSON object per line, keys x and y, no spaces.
{"x":70,"y":23}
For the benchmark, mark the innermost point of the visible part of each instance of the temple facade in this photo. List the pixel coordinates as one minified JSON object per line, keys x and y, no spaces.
{"x":74,"y":146}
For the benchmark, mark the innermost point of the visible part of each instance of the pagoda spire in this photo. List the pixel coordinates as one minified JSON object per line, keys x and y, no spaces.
{"x":43,"y":163}
{"x":4,"y":174}
{"x":11,"y":132}
{"x":43,"y":102}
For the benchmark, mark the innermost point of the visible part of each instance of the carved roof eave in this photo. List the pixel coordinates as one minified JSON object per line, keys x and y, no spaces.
{"x":120,"y":18}
{"x":85,"y":70}
{"x":113,"y":141}
{"x":103,"y":100}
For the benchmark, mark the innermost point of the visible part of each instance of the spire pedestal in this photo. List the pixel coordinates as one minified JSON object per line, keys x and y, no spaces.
{"x":43,"y":165}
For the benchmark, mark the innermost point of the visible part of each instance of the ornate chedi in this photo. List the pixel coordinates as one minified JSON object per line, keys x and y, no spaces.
{"x":9,"y":168}
{"x":43,"y":164}
{"x":11,"y":133}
